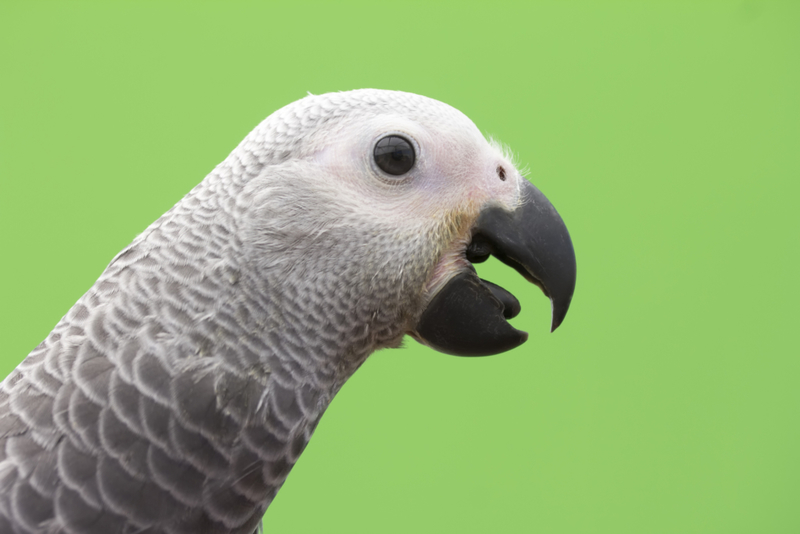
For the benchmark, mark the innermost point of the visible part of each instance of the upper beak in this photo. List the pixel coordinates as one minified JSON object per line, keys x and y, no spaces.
{"x":468,"y":316}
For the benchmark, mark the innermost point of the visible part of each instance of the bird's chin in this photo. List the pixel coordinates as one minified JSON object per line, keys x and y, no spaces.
{"x":468,"y":316}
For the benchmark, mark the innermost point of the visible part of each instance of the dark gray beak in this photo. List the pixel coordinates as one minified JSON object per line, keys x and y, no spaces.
{"x":468,"y":317}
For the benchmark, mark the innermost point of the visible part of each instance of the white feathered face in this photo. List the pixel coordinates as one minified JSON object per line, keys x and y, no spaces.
{"x":430,"y":172}
{"x":419,"y":166}
{"x":410,"y":179}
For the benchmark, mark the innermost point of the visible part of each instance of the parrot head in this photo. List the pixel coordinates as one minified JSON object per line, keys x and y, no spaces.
{"x":386,"y":200}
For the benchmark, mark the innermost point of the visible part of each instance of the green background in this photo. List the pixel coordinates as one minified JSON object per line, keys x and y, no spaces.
{"x":666,"y":133}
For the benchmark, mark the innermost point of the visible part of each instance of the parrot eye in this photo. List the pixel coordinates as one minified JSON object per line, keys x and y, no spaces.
{"x":394,"y":155}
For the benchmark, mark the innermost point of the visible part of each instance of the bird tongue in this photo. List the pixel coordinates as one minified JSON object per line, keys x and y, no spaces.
{"x":511,"y":306}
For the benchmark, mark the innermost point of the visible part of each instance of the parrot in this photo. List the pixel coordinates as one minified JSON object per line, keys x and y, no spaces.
{"x":178,"y":392}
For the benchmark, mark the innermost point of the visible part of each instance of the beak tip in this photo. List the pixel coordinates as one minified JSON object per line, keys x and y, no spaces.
{"x":558,"y":315}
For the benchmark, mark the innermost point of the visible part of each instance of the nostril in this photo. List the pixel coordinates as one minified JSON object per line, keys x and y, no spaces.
{"x":501,"y":172}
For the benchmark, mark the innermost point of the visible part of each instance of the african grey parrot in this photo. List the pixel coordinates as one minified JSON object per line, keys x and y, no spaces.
{"x":178,"y":392}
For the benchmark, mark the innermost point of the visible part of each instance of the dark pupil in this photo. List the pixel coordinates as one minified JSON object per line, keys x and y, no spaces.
{"x":394,"y":155}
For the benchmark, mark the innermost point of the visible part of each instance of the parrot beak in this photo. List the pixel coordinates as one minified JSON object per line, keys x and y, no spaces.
{"x":468,"y":316}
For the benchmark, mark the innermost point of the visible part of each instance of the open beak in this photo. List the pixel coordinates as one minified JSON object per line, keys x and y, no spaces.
{"x":468,"y":316}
